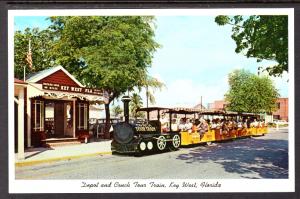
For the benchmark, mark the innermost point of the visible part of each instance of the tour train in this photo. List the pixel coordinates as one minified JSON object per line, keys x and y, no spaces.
{"x":146,"y":136}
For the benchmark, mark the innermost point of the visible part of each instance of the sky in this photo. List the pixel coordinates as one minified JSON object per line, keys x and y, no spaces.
{"x":195,"y":59}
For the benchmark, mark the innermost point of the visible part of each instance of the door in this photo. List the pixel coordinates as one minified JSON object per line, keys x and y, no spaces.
{"x":59,"y":124}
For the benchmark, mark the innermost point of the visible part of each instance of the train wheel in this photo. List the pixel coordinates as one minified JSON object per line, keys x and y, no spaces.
{"x":161,"y":143}
{"x":149,"y":145}
{"x":142,"y":146}
{"x":176,"y":141}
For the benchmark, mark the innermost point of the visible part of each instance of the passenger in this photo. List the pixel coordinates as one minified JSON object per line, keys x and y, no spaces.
{"x":248,"y":122}
{"x":174,"y":125}
{"x":230,"y":124}
{"x":218,"y":124}
{"x":225,"y":129}
{"x":181,"y":125}
{"x":203,"y":127}
{"x":255,"y":123}
{"x":164,"y":124}
{"x":235,"y":124}
{"x":214,"y":124}
{"x":240,"y":124}
{"x":196,"y":125}
{"x":188,"y":125}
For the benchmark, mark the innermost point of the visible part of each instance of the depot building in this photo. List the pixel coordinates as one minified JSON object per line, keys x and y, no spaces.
{"x":52,"y":105}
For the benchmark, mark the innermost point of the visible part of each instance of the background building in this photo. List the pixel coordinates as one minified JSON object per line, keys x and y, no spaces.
{"x":283,"y":106}
{"x":280,"y":114}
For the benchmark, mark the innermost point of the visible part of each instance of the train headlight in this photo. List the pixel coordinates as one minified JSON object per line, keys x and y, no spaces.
{"x":150,"y":145}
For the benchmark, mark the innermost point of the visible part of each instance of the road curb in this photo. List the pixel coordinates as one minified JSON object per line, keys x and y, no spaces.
{"x":43,"y":161}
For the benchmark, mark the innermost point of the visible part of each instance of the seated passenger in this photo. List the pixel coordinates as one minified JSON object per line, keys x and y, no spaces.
{"x":188,"y":125}
{"x":195,"y":127}
{"x":255,"y":123}
{"x":203,"y":126}
{"x":248,"y":122}
{"x":218,"y":123}
{"x":214,"y":124}
{"x":164,"y":124}
{"x":174,"y":125}
{"x":230,"y":124}
{"x":181,"y":125}
{"x":224,"y":127}
{"x":240,"y":124}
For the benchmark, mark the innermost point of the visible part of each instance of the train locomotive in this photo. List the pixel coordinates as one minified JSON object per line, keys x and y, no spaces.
{"x":142,"y":136}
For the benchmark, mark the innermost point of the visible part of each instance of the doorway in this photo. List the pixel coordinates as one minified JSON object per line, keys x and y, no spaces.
{"x":58,"y":119}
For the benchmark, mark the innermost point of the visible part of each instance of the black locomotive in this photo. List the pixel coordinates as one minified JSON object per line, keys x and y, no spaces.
{"x":142,"y":136}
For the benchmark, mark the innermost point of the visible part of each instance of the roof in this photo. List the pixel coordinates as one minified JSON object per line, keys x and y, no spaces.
{"x":181,"y":110}
{"x":151,"y":109}
{"x":18,"y":81}
{"x":35,"y":77}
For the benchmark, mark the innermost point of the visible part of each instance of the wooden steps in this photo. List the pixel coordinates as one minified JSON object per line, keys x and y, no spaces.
{"x":57,"y":142}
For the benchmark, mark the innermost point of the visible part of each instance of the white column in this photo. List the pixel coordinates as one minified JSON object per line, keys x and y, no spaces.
{"x":74,"y":118}
{"x":21,"y":154}
{"x":28,"y":122}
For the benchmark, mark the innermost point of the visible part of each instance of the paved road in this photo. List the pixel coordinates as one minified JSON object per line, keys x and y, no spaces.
{"x":253,"y":158}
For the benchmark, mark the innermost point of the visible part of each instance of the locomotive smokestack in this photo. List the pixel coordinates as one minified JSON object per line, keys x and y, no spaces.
{"x":126,"y":100}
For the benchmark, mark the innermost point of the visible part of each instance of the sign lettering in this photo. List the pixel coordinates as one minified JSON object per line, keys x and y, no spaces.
{"x":58,"y":87}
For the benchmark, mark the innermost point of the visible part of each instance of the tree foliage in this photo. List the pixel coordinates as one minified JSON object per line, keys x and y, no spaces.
{"x":250,"y":93}
{"x":117,"y":110}
{"x":151,"y":84}
{"x":113,"y":52}
{"x":261,"y":36}
{"x":108,"y":52}
{"x":135,"y":103}
{"x":41,"y":45}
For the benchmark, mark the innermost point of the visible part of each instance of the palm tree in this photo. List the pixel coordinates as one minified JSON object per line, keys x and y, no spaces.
{"x":150,"y":84}
{"x":135,"y":103}
{"x":117,"y":110}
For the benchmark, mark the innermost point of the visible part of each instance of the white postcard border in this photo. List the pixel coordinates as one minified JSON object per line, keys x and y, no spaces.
{"x":75,"y":186}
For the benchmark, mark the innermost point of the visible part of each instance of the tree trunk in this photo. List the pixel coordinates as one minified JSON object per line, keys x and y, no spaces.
{"x":107,"y":122}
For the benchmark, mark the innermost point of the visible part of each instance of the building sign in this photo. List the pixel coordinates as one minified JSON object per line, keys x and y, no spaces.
{"x":73,"y":89}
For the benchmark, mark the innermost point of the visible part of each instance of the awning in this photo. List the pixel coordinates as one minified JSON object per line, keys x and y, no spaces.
{"x":59,"y":95}
{"x":35,"y":90}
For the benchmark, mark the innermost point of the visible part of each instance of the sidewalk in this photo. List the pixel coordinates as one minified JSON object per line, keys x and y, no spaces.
{"x":35,"y":156}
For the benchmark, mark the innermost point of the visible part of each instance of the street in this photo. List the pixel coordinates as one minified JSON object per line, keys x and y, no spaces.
{"x":249,"y":158}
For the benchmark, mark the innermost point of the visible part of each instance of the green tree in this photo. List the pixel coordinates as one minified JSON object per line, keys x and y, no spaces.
{"x":117,"y":110}
{"x":41,"y":45}
{"x":250,"y":93}
{"x":261,"y":36}
{"x":109,"y":52}
{"x":135,"y":103}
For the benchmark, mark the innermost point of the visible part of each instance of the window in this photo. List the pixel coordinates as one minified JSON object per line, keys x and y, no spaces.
{"x":38,"y":116}
{"x":82,"y":112}
{"x":278,"y":105}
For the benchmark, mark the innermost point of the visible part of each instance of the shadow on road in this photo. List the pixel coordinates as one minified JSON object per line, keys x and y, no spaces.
{"x":267,"y":158}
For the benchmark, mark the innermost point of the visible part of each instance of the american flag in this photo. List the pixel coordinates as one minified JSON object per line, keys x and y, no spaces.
{"x":29,"y":56}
